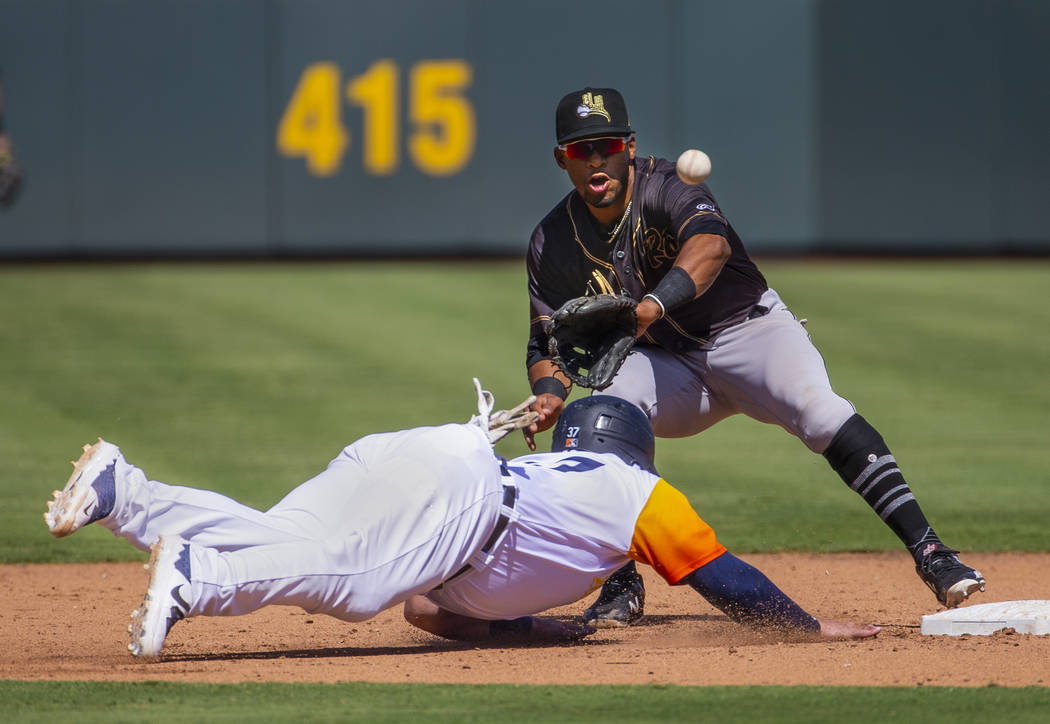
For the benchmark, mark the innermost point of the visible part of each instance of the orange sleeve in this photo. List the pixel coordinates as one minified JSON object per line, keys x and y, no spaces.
{"x":671,"y":537}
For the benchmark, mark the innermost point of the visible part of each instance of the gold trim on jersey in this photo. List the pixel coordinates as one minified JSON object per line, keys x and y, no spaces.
{"x":659,"y":247}
{"x":634,"y":250}
{"x":604,"y":285}
{"x":674,"y":325}
{"x":699,"y":213}
{"x":576,"y":236}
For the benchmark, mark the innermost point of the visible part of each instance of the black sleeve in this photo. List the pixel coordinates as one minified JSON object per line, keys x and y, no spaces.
{"x":539,"y":310}
{"x":692,"y":209}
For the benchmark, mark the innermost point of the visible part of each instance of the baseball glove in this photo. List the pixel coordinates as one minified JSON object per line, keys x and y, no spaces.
{"x":590,"y":337}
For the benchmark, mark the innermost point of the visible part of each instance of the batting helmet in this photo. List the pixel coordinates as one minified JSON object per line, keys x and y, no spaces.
{"x":603,"y":423}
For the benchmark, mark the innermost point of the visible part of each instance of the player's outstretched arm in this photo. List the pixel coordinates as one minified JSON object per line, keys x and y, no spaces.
{"x":549,"y":405}
{"x":695,"y":269}
{"x":427,"y":615}
{"x":747,"y":596}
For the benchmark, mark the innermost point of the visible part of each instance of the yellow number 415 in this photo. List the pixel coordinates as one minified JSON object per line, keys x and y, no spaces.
{"x":441,"y":143}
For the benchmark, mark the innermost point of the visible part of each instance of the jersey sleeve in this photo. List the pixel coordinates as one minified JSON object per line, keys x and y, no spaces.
{"x":692,"y":209}
{"x":671,"y":537}
{"x":539,"y":310}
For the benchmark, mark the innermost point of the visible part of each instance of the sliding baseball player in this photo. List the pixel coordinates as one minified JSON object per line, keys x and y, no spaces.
{"x":430,"y":517}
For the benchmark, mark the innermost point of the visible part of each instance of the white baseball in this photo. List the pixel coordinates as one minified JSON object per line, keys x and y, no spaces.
{"x":693,"y":166}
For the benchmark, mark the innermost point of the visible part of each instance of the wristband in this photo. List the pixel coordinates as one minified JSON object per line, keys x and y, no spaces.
{"x":549,"y":386}
{"x":513,"y":628}
{"x":674,"y":290}
{"x":663,"y":312}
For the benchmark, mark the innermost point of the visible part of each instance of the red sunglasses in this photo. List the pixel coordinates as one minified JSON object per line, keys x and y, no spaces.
{"x":582,"y":150}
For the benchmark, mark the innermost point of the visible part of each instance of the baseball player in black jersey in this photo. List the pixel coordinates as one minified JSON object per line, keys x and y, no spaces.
{"x":714,"y":339}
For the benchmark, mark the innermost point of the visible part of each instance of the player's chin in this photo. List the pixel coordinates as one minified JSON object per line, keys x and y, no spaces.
{"x":606,"y":197}
{"x":600,"y":201}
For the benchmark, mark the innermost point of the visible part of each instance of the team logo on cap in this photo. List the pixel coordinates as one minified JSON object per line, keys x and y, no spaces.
{"x":592,"y":105}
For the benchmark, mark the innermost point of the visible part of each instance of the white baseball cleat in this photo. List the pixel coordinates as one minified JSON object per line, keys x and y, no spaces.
{"x":165,"y":601}
{"x":89,"y":494}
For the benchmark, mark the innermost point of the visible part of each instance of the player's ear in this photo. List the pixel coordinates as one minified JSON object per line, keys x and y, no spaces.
{"x":559,"y":157}
{"x":630,"y":147}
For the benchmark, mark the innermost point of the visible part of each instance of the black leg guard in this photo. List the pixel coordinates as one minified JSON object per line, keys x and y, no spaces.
{"x":860,"y":456}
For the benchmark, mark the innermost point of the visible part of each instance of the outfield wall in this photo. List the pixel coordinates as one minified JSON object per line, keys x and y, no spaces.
{"x":300,"y":127}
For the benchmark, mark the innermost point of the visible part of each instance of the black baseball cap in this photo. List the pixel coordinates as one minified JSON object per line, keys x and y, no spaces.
{"x":591,"y":113}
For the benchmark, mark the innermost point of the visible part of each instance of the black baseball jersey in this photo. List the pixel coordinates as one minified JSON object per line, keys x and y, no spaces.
{"x":568,"y":257}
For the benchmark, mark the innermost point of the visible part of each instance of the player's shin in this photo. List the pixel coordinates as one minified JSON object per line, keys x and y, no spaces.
{"x":861,"y":458}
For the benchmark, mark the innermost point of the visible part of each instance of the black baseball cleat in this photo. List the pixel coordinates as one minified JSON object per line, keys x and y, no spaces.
{"x":950,"y":579}
{"x":620,"y":602}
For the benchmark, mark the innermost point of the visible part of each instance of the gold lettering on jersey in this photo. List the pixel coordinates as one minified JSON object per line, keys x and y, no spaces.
{"x":659,"y":247}
{"x":592,"y":105}
{"x":599,"y":284}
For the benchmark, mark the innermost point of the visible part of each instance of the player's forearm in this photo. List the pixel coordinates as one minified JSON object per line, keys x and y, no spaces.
{"x":544,"y":369}
{"x":747,"y":596}
{"x":696,"y":267}
{"x":423,"y":613}
{"x":702,"y":257}
{"x":551,"y":387}
{"x":427,"y":615}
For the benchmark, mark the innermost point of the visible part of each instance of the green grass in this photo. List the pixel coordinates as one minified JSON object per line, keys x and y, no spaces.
{"x":248,"y":378}
{"x":163,"y":702}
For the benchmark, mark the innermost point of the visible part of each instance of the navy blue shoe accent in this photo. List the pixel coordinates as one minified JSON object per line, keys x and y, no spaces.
{"x":177,"y":612}
{"x":182,"y":565}
{"x":105,"y":488}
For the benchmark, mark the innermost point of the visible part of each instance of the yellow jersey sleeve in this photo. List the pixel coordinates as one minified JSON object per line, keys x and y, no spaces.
{"x":671,"y":537}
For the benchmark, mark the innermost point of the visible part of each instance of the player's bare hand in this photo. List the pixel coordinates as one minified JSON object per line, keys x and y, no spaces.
{"x":549,"y":408}
{"x":551,"y":629}
{"x":647,"y":312}
{"x":838,"y":630}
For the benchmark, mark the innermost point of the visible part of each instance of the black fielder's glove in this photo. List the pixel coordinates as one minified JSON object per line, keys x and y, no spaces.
{"x":590,"y":337}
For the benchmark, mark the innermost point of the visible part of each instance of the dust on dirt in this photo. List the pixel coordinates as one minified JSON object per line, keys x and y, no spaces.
{"x":70,"y":622}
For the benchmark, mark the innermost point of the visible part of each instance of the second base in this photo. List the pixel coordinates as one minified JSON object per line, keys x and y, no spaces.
{"x":1026,"y":617}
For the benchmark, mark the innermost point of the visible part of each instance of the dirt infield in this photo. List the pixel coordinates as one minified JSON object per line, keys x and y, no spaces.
{"x":69,"y":622}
